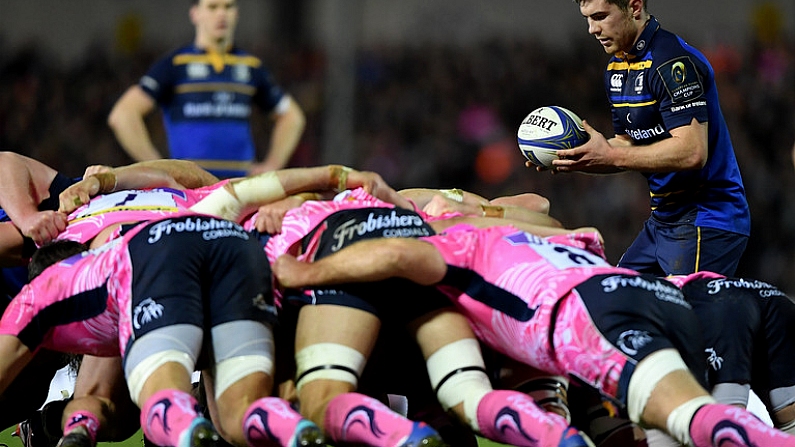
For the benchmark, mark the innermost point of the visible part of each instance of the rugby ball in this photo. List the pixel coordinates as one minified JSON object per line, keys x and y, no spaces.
{"x":547,"y":129}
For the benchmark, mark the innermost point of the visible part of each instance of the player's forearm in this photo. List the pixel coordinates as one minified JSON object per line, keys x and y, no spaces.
{"x":686,"y":149}
{"x":287,"y":132}
{"x":11,"y":245}
{"x":24,"y":183}
{"x":131,"y":133}
{"x":529,"y":216}
{"x":185,"y":173}
{"x":469,"y":202}
{"x":13,"y":357}
{"x":379,"y":259}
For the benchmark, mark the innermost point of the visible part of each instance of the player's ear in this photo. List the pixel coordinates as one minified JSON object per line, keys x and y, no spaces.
{"x":192,"y":13}
{"x":636,"y":8}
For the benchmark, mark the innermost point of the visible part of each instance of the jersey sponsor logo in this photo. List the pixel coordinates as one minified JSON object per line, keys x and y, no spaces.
{"x":642,"y":134}
{"x":662,"y":290}
{"x":633,"y":340}
{"x":223,"y":97}
{"x":145,"y":312}
{"x":715,"y":361}
{"x":209,"y":228}
{"x":765,"y":290}
{"x":390,"y":226}
{"x":689,"y":105}
{"x":616,"y":82}
{"x":681,"y":79}
{"x":197,"y":70}
{"x":215,"y":110}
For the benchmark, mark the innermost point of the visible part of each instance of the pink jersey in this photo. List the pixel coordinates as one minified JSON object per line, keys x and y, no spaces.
{"x":130,"y":206}
{"x":103,"y":274}
{"x":681,"y":280}
{"x":539,"y":273}
{"x":299,"y":222}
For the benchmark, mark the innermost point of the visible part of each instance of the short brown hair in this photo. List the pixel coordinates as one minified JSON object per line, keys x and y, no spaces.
{"x":622,"y":4}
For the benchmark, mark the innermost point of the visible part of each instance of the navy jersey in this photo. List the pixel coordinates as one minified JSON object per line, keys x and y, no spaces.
{"x":664,"y":83}
{"x":206,"y":100}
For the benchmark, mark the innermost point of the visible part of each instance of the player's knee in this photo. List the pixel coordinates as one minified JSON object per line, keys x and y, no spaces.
{"x":140,"y":373}
{"x":230,"y":371}
{"x":647,"y":375}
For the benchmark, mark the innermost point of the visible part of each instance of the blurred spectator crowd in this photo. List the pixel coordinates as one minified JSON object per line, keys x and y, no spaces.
{"x":446,"y":116}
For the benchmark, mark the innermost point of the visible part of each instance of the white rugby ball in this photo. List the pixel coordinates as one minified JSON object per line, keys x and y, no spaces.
{"x":547,"y":129}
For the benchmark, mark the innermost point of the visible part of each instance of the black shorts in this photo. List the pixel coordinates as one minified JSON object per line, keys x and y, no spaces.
{"x":644,"y":315}
{"x":749,"y":327}
{"x":200,"y":271}
{"x":383,"y":298}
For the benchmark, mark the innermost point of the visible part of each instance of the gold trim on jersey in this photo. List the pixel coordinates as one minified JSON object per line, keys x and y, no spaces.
{"x":638,"y":104}
{"x":666,"y":194}
{"x":124,"y":208}
{"x":624,"y":65}
{"x":209,"y":58}
{"x":195,"y":87}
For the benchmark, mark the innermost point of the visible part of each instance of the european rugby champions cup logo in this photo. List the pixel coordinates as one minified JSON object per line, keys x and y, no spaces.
{"x":678,"y":72}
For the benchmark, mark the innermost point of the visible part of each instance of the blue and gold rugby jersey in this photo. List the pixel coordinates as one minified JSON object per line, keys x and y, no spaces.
{"x":206,"y":100}
{"x":663,"y":84}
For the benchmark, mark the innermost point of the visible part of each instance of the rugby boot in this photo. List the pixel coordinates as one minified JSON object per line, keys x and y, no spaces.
{"x":423,"y":435}
{"x":78,"y":437}
{"x":201,"y":433}
{"x":26,"y":433}
{"x":307,"y":434}
{"x":573,"y":438}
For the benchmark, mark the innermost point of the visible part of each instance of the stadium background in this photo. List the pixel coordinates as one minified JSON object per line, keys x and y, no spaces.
{"x":427,"y":93}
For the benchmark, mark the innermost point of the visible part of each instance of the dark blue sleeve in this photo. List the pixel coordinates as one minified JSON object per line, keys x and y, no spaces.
{"x":680,"y":83}
{"x":268,"y":93}
{"x":159,"y":81}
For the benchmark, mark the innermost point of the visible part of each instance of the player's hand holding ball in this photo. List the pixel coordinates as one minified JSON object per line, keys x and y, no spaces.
{"x":545,"y":131}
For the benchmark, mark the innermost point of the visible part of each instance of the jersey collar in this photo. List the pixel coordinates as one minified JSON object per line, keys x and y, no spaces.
{"x":641,"y":45}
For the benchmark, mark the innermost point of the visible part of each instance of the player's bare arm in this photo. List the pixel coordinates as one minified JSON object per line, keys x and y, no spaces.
{"x":270,"y":216}
{"x":365,"y":261}
{"x":685,"y":150}
{"x":126,"y":119}
{"x":13,"y":357}
{"x":287,"y":130}
{"x":114,"y":180}
{"x":24,"y":183}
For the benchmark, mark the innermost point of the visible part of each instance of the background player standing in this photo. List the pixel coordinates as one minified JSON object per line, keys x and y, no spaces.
{"x":206,"y":90}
